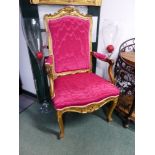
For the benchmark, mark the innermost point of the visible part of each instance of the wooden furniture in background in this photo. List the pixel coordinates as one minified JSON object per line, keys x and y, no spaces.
{"x":128,"y":57}
{"x":125,"y":80}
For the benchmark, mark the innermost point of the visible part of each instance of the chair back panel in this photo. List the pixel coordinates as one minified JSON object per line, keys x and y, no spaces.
{"x":70,"y":39}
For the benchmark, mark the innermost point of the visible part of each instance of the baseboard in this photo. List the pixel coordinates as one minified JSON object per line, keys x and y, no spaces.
{"x":29,"y":93}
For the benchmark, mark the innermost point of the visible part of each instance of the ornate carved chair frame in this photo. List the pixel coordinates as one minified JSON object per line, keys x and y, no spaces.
{"x":50,"y":68}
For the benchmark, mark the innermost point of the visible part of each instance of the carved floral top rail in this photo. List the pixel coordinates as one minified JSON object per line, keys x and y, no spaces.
{"x":68,"y":2}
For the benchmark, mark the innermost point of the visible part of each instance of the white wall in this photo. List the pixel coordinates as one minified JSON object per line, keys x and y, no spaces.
{"x":24,"y":63}
{"x":121,"y":14}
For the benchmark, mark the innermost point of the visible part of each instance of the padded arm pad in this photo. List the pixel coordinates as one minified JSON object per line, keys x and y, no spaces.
{"x":48,"y":60}
{"x":100,"y":56}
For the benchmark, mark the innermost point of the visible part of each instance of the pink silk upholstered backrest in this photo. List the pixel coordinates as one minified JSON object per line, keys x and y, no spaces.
{"x":70,"y":39}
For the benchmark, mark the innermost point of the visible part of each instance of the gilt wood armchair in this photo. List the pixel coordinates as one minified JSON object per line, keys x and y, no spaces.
{"x":73,"y":86}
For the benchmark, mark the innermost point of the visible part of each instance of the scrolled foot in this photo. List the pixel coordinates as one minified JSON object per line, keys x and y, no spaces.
{"x":109,"y":119}
{"x":61,"y":135}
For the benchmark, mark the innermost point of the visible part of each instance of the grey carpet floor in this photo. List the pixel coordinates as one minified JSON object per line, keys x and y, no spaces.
{"x":25,"y":101}
{"x":85,"y":134}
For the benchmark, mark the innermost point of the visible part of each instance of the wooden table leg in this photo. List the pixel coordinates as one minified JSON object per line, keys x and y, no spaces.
{"x":127,"y":119}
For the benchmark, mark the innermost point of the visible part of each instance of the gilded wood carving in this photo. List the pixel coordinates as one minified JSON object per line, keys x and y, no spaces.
{"x":68,"y":2}
{"x":86,"y":109}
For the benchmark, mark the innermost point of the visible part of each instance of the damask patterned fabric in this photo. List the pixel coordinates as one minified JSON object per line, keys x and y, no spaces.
{"x":70,"y":43}
{"x":81,"y":89}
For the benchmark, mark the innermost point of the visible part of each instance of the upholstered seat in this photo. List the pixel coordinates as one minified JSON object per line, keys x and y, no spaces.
{"x":79,"y":90}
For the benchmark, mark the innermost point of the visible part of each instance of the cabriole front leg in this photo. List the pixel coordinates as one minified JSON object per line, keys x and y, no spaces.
{"x":60,"y":122}
{"x":110,"y":111}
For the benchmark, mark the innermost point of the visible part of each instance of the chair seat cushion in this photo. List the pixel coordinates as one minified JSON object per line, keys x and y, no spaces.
{"x":81,"y":89}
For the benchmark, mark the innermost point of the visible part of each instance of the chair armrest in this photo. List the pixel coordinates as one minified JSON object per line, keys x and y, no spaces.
{"x":100,"y":56}
{"x":104,"y":58}
{"x":49,"y":68}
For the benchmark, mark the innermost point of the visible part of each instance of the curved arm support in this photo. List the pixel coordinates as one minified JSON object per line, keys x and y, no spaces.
{"x":104,"y":58}
{"x":49,"y":66}
{"x":110,"y":71}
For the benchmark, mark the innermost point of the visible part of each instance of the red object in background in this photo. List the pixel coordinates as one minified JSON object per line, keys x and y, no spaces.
{"x":39,"y":55}
{"x":110,"y":48}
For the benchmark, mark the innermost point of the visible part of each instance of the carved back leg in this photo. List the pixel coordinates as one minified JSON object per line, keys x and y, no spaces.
{"x":110,"y":111}
{"x":60,"y":122}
